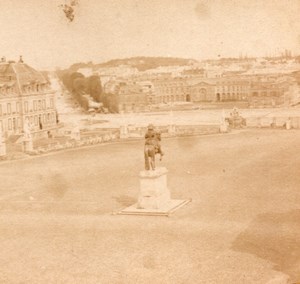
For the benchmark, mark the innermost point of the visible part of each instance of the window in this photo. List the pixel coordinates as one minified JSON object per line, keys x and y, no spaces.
{"x":39,"y":105}
{"x":26,"y":106}
{"x":17,"y":107}
{"x":9,"y":124}
{"x":34,"y":106}
{"x":9,"y":108}
{"x":44,"y":104}
{"x":36,"y":121}
{"x":51,"y":103}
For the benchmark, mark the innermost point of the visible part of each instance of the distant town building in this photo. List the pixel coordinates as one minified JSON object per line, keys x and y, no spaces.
{"x":25,"y":96}
{"x":273,"y":92}
{"x":199,"y":89}
{"x":233,"y":88}
{"x":256,"y":82}
{"x":129,"y":96}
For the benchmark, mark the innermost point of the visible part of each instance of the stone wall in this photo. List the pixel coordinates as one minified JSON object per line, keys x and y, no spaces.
{"x":86,"y":140}
{"x":273,"y":122}
{"x":172,"y":130}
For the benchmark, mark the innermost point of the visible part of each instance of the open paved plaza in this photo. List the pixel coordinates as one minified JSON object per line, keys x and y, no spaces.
{"x":242,"y":226}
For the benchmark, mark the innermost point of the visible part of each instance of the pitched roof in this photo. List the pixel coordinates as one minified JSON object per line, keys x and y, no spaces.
{"x":11,"y":71}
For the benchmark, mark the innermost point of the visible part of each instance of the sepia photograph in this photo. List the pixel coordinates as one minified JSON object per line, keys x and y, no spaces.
{"x":150,"y":141}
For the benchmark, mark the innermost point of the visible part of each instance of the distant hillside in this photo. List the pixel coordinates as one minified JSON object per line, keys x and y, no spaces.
{"x":141,"y":63}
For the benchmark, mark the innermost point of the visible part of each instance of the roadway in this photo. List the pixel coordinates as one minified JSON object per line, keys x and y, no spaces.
{"x":243,"y":225}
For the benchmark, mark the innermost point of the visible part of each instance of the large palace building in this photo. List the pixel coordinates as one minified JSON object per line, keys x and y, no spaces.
{"x":25,"y":96}
{"x":199,"y":89}
{"x":254,"y":90}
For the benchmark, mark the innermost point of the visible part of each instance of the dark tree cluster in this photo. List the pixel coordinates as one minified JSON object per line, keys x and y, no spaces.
{"x":80,"y":86}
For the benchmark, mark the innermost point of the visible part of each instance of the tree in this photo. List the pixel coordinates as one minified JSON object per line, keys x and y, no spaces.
{"x":94,"y":88}
{"x":79,"y":85}
{"x":111,"y":102}
{"x":74,"y":76}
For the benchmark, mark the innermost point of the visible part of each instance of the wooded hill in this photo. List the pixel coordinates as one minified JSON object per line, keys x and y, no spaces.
{"x":141,"y":63}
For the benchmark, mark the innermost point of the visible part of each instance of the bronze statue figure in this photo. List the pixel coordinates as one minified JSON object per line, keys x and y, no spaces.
{"x":152,"y":147}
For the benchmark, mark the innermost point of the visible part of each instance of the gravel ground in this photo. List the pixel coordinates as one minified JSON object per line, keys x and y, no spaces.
{"x":242,"y":226}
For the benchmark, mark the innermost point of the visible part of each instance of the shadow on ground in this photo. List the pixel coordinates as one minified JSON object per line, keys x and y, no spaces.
{"x":125,"y":200}
{"x":57,"y":186}
{"x":274,"y":237}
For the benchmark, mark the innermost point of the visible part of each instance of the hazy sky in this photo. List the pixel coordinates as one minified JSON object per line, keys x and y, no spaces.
{"x":107,"y":29}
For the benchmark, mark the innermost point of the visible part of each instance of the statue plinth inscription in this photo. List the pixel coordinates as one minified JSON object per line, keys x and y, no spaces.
{"x":154,"y":192}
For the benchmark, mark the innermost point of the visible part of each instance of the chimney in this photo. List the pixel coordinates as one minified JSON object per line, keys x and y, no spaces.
{"x":21,"y":59}
{"x":3,"y":59}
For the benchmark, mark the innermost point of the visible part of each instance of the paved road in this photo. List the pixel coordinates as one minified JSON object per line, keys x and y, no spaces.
{"x":243,"y":225}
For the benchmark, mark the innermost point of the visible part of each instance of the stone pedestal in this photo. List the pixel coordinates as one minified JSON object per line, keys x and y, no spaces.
{"x":223,"y":127}
{"x":124,"y":131}
{"x":154,"y":192}
{"x":154,"y":196}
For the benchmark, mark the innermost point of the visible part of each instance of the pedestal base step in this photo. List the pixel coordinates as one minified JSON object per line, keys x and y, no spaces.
{"x":166,"y":210}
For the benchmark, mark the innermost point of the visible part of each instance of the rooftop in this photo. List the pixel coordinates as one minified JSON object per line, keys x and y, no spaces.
{"x":11,"y":71}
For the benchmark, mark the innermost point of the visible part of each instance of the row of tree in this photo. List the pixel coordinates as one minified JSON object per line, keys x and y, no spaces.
{"x":80,"y":86}
{"x":77,"y":83}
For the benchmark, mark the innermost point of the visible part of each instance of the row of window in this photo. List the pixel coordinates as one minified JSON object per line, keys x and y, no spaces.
{"x":231,"y":96}
{"x":233,"y":83}
{"x":11,"y":124}
{"x":7,"y":90}
{"x":187,"y":84}
{"x":267,"y":94}
{"x":9,"y":108}
{"x":28,"y":89}
{"x":36,"y":105}
{"x":38,"y":120}
{"x":199,"y":89}
{"x":232,"y":87}
{"x":219,"y":96}
{"x":42,"y":119}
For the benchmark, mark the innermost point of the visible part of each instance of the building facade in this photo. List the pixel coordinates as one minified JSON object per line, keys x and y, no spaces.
{"x":25,"y":97}
{"x":255,"y":90}
{"x":129,"y":96}
{"x":199,"y":89}
{"x":273,"y":92}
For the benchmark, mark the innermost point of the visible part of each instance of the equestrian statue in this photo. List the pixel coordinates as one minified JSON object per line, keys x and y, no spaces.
{"x":152,"y":147}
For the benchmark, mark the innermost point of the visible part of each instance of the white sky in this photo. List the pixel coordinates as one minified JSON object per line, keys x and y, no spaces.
{"x":108,"y":29}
